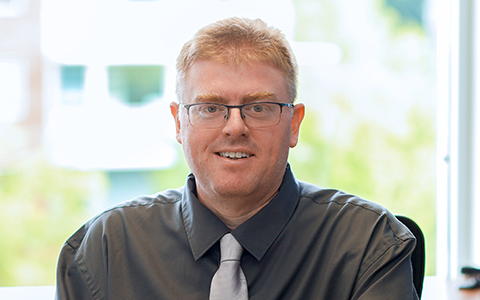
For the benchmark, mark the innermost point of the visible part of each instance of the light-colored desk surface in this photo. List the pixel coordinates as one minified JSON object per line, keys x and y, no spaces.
{"x":435,"y":288}
{"x":27,"y":293}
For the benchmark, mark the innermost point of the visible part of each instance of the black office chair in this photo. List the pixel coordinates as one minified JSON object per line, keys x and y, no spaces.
{"x":418,"y":255}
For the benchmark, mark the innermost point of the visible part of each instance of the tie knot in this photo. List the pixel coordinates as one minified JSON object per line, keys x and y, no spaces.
{"x":230,"y":248}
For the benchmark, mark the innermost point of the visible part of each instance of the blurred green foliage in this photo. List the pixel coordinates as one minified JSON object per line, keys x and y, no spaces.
{"x":42,"y":206}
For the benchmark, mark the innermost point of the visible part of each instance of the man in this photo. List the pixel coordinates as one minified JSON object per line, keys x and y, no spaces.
{"x":236,"y":121}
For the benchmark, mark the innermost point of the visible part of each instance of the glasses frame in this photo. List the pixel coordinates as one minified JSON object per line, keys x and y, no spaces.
{"x":240,"y":107}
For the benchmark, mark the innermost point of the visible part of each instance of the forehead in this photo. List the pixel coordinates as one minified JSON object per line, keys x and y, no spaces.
{"x":234,"y":84}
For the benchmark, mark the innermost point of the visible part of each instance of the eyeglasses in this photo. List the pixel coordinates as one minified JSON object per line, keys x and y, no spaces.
{"x":255,"y":115}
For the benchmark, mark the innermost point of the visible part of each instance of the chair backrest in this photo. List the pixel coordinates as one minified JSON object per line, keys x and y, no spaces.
{"x":418,"y":255}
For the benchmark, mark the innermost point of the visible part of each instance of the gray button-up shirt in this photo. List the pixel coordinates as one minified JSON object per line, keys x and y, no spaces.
{"x":307,"y":243}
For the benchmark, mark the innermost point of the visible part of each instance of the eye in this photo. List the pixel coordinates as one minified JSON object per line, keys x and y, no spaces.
{"x":211,"y":109}
{"x":258,"y":108}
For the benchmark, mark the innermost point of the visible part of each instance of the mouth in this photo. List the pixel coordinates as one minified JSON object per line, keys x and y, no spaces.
{"x":234,"y":155}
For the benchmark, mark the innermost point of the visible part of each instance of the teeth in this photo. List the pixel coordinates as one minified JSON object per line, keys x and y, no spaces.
{"x":234,"y":155}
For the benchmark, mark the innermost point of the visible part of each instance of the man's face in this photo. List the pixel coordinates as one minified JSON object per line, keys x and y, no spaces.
{"x":264,"y":150}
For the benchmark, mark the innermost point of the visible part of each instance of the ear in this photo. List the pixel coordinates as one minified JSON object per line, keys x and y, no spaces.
{"x":297,"y":118}
{"x":174,"y":109}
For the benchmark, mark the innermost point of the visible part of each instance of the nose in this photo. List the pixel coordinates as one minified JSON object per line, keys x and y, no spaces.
{"x":235,"y":124}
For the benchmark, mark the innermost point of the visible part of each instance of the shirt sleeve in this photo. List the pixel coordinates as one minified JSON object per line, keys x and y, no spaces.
{"x":71,"y":284}
{"x":388,"y":269}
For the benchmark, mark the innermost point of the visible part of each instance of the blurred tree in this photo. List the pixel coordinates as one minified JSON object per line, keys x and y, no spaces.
{"x":409,"y":10}
{"x":42,"y":206}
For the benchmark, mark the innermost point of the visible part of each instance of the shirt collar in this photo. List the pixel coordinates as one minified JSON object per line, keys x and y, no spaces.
{"x":202,"y":226}
{"x":256,"y":235}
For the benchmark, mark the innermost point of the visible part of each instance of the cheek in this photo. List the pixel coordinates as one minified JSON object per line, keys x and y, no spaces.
{"x":194,"y":141}
{"x":189,"y":143}
{"x":277,"y":143}
{"x":190,"y":153}
{"x":286,"y":144}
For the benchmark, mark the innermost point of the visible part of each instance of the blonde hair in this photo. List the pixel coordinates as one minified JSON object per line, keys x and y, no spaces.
{"x":239,"y":41}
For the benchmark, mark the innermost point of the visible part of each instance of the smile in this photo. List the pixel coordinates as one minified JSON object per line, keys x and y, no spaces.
{"x":234,"y":155}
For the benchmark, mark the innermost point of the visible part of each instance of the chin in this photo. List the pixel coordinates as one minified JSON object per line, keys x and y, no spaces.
{"x":232,"y":192}
{"x":234,"y":189}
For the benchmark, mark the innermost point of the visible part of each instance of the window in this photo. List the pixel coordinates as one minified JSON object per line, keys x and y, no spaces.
{"x":136,"y":85}
{"x":367,"y":77}
{"x":72,"y":83}
{"x":458,"y":132}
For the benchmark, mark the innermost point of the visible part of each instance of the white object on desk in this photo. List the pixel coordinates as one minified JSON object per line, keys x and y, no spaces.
{"x":27,"y":293}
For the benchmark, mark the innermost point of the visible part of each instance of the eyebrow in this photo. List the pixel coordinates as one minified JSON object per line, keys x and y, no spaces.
{"x":216,"y":98}
{"x":259,"y":96}
{"x":209,"y":98}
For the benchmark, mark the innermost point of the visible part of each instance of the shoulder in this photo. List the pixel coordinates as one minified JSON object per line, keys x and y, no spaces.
{"x":335,"y":207}
{"x":338,"y":200}
{"x":354,"y":225}
{"x":324,"y":196}
{"x":133,"y":215}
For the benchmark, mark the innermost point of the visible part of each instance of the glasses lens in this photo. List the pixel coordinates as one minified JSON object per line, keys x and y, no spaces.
{"x":207,"y":115}
{"x":259,"y":115}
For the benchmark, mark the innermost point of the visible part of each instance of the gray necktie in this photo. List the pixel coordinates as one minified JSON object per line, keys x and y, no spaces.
{"x":229,"y":283}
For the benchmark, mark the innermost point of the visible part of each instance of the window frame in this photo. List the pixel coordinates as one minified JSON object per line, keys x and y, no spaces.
{"x":456,"y":138}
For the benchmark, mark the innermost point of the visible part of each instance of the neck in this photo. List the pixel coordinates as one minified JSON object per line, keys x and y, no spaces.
{"x":234,"y":211}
